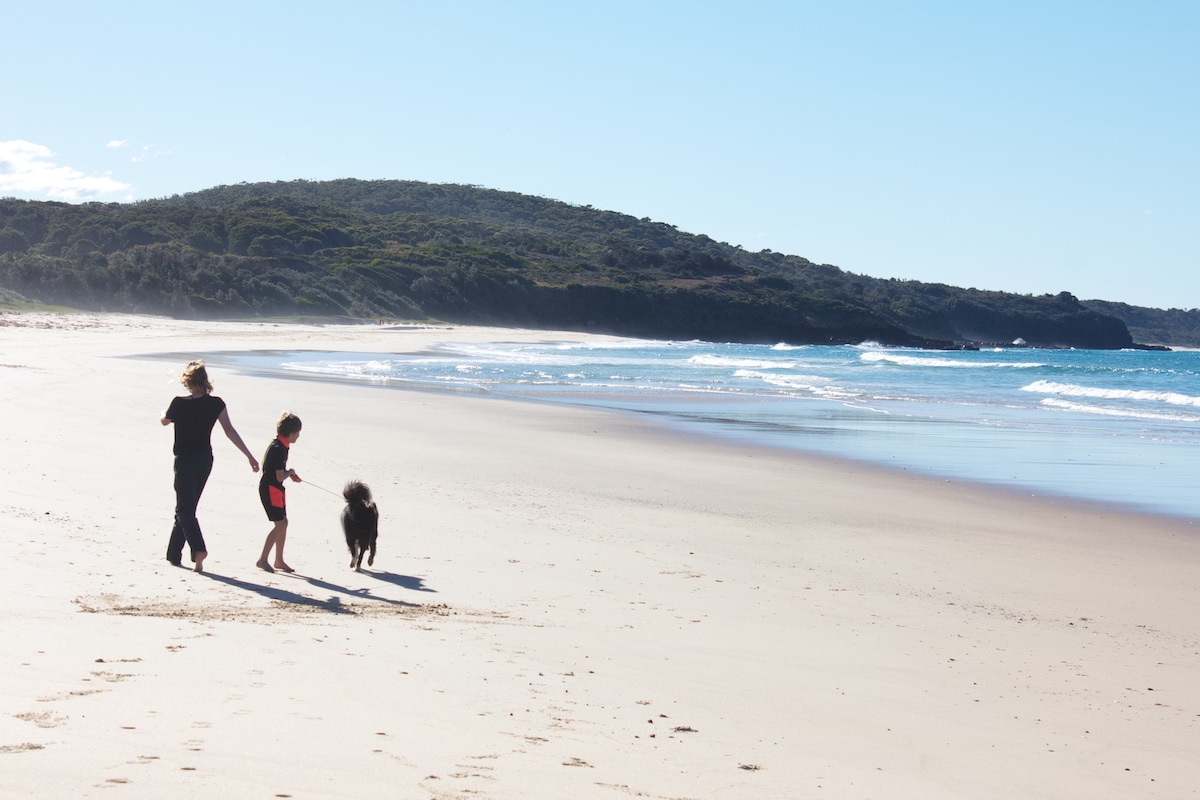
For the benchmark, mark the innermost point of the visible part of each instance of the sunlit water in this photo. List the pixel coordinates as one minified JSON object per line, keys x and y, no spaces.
{"x":1114,"y":426}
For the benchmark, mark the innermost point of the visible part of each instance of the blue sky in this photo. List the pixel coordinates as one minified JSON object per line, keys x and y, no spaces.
{"x":1033,"y":147}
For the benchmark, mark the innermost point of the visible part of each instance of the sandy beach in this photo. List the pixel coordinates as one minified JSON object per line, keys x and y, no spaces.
{"x":566,"y":603}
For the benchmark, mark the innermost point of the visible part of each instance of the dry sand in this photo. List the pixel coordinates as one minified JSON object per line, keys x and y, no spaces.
{"x":566,"y":604}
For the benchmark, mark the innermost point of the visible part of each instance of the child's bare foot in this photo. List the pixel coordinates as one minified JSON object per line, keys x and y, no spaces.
{"x":263,"y":565}
{"x":199,"y":558}
{"x":282,"y":567}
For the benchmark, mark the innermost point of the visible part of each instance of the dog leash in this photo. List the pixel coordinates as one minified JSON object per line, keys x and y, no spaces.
{"x":319,"y":487}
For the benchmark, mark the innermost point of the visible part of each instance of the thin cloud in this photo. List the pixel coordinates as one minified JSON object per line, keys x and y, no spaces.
{"x":147,"y":152}
{"x":26,"y":168}
{"x":116,"y":144}
{"x":142,"y":155}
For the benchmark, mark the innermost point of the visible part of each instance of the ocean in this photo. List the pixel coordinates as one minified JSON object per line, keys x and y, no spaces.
{"x":1119,"y":427}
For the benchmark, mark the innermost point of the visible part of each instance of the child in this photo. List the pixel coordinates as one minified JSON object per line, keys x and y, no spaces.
{"x":271,"y":491}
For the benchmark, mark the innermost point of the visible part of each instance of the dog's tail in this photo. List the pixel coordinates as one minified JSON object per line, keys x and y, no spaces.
{"x":357,"y":492}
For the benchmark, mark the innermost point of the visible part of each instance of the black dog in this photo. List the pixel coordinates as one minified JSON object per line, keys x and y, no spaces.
{"x":360,"y":522}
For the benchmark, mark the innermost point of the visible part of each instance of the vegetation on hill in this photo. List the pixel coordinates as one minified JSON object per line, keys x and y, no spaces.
{"x":1173,"y":326}
{"x":410,"y":250}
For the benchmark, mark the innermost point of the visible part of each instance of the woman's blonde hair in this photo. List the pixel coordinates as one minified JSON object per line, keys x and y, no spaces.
{"x":195,"y":376}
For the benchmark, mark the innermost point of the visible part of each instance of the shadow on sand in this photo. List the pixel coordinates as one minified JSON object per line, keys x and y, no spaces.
{"x":403,"y":581}
{"x":333,"y":604}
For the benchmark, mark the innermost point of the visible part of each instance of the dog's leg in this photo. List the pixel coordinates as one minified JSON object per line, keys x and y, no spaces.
{"x":371,"y":557}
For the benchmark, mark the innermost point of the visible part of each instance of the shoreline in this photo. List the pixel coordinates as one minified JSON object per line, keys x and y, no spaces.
{"x":680,"y":426}
{"x":566,"y":602}
{"x":643,"y":423}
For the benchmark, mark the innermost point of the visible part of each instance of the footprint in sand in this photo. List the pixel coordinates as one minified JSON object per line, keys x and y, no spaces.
{"x":43,"y":719}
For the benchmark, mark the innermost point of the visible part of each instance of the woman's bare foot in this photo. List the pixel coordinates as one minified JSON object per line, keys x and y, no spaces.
{"x":199,"y":558}
{"x":282,"y":567}
{"x":263,"y":565}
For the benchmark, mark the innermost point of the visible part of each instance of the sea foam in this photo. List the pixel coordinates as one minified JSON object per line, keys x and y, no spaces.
{"x":878,"y":356}
{"x":1141,"y":395}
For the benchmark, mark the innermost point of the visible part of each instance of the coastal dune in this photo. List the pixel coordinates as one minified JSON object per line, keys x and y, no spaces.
{"x":567,"y":603}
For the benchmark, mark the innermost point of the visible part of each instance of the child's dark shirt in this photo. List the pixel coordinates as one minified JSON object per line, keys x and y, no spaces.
{"x":274,"y":460}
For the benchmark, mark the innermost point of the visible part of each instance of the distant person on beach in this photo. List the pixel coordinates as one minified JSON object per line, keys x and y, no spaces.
{"x":194,"y":415}
{"x":272,"y":492}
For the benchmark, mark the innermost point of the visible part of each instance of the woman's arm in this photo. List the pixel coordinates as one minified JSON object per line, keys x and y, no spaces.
{"x":233,"y":436}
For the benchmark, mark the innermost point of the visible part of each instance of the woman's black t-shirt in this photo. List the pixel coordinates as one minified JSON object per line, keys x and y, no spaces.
{"x":194,"y":419}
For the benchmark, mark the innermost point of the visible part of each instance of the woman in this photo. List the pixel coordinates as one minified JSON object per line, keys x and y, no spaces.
{"x":194,"y":415}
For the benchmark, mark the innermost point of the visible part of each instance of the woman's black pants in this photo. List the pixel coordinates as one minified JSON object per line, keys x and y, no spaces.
{"x":191,"y":473}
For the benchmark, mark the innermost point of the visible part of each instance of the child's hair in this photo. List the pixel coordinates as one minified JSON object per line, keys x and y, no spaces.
{"x":288,"y":423}
{"x":195,"y":377}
